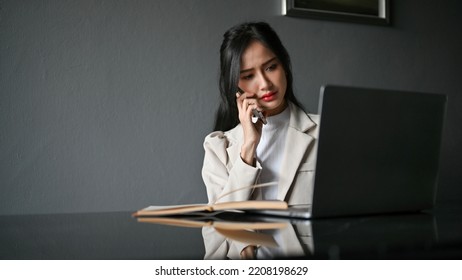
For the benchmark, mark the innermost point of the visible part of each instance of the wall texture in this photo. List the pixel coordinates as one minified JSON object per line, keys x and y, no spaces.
{"x":104,"y":104}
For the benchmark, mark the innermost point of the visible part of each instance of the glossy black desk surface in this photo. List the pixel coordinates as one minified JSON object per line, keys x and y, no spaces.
{"x":117,"y":235}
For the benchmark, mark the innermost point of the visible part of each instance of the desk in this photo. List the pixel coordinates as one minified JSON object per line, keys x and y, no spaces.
{"x":116,"y":235}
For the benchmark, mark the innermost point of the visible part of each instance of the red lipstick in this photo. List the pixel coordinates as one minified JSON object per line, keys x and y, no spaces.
{"x":269,"y":96}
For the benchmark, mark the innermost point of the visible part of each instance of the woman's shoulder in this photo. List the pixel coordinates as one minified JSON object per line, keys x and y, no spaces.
{"x":218,"y":144}
{"x":223,"y":138}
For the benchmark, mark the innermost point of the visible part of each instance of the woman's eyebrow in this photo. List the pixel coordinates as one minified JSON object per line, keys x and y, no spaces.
{"x":264,"y":63}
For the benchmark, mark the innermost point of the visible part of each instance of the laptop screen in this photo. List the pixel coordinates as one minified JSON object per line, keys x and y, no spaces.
{"x":378,"y":151}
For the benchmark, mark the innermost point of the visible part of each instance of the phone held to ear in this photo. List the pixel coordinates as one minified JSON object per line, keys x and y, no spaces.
{"x":257,"y":115}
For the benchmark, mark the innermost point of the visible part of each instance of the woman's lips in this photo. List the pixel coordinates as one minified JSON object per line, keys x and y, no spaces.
{"x":269,"y":96}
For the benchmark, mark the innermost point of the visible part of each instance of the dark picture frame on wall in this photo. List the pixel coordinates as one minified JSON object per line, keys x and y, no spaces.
{"x":358,"y":11}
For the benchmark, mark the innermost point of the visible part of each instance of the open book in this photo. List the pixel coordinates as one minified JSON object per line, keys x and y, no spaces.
{"x":213,"y":208}
{"x":191,"y":209}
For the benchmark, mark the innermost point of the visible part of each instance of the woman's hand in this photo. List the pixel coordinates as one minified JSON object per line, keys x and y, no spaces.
{"x":246,"y":102}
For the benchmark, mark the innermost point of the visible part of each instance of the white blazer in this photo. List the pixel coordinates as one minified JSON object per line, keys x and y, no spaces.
{"x":224,"y":171}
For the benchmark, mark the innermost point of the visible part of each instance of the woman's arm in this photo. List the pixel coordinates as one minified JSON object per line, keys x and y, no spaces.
{"x":221,"y":176}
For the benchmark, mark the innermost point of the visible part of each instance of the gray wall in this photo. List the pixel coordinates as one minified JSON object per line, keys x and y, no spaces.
{"x":104,"y":104}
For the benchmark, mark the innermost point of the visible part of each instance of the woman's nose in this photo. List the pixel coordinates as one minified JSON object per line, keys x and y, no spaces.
{"x":265,"y":83}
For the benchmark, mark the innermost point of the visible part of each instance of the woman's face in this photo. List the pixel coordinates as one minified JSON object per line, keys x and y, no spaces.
{"x":263,"y":75}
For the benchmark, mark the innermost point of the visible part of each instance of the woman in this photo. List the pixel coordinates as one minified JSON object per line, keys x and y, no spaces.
{"x":256,"y":75}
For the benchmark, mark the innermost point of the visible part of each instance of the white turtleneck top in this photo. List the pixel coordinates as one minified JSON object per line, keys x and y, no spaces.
{"x":270,"y":152}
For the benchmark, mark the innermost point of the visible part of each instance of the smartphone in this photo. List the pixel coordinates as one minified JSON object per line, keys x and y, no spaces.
{"x":258,"y":115}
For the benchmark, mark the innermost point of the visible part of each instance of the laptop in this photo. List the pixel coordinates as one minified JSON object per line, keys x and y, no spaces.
{"x":378,"y":152}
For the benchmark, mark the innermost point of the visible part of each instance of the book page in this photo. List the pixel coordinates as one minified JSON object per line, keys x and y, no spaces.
{"x":166,"y":207}
{"x":173,"y":209}
{"x":251,"y":205}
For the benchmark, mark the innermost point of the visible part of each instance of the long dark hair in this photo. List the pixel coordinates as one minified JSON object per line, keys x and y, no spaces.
{"x":235,"y":41}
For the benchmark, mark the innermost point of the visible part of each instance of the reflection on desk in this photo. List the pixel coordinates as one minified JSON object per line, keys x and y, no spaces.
{"x":374,"y":236}
{"x":293,"y":239}
{"x":94,"y":236}
{"x":434,"y":235}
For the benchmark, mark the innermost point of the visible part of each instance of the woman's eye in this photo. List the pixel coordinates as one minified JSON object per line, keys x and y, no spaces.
{"x":247,"y":77}
{"x":272,"y":67}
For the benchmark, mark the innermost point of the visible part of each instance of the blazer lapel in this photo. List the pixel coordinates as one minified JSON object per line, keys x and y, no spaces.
{"x":297,"y":143}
